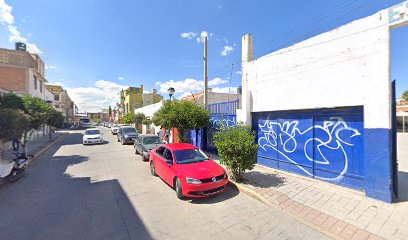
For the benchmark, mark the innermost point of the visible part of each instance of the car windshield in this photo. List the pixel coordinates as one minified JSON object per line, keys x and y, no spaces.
{"x":129,"y":130}
{"x":92,"y":132}
{"x":151,"y":140}
{"x":190,"y":156}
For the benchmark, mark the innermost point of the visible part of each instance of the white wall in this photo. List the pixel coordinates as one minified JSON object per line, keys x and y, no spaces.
{"x":348,"y":66}
{"x":45,"y":94}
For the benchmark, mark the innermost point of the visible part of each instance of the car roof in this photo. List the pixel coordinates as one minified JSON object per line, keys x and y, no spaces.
{"x":148,"y":135}
{"x":92,"y":129}
{"x":180,"y":146}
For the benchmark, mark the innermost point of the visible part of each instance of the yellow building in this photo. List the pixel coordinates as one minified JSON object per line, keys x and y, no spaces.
{"x":133,"y":98}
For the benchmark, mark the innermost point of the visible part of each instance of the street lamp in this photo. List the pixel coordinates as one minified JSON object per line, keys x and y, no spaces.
{"x":171,"y":91}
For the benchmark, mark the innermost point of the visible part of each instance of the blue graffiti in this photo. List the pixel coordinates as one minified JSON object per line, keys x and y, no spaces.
{"x":331,"y":138}
{"x":223,"y":121}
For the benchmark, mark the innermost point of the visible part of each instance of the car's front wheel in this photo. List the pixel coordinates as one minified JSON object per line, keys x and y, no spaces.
{"x":179,"y":189}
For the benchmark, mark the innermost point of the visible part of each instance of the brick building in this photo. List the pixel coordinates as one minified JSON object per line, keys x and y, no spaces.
{"x":23,"y":73}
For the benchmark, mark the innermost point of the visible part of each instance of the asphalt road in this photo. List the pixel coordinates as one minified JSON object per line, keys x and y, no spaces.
{"x":107,"y":192}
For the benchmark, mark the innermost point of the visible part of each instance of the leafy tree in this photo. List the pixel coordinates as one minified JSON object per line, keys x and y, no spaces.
{"x":147,"y":122}
{"x":110,"y":111}
{"x":405,"y":95}
{"x":183,"y":115}
{"x":129,"y":118}
{"x":11,"y":101}
{"x":12,"y":126}
{"x":38,"y":111}
{"x":138,"y":119}
{"x":54,"y":119}
{"x":236,"y":145}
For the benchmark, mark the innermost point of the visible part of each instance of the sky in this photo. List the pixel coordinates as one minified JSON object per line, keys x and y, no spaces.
{"x":94,"y":48}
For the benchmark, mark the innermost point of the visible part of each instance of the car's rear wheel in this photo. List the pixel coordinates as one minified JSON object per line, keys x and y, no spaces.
{"x":178,"y":188}
{"x":136,"y":152}
{"x":118,"y":139}
{"x":153,"y":169}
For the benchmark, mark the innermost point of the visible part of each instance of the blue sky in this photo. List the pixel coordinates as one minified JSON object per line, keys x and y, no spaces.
{"x":95,"y":47}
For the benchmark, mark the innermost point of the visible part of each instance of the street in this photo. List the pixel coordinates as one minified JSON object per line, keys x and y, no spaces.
{"x":107,"y":192}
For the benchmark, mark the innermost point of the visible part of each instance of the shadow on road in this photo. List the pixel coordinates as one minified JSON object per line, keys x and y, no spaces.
{"x":53,"y":201}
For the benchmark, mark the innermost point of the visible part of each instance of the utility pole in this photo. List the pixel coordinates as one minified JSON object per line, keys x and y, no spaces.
{"x":205,"y":72}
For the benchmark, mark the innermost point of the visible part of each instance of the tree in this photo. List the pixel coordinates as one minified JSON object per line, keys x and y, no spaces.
{"x":237,"y":148}
{"x":11,"y":101}
{"x":54,"y":119}
{"x":147,"y":122}
{"x":12,"y":126}
{"x":110,"y":111}
{"x":183,"y":115}
{"x":405,"y":95}
{"x":38,"y":111}
{"x":129,"y":118}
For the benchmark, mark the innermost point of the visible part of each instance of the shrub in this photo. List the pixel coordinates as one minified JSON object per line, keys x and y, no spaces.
{"x":237,"y":148}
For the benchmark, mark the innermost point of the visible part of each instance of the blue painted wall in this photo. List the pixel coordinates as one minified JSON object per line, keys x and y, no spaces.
{"x":330,"y":145}
{"x":326,"y":144}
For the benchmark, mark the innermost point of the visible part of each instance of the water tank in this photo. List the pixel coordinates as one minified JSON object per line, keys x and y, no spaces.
{"x":21,"y":46}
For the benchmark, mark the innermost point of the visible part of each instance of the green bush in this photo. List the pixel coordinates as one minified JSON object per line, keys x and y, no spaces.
{"x":237,"y":148}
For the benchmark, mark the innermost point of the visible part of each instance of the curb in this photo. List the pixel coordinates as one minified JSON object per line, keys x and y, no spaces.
{"x":283,"y":204}
{"x":42,"y":151}
{"x":256,"y":195}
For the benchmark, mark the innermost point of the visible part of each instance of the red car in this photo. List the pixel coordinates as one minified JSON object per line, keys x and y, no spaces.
{"x":188,"y":170}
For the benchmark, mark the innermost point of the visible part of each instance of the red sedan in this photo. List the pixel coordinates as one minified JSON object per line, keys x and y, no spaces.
{"x":188,"y":170}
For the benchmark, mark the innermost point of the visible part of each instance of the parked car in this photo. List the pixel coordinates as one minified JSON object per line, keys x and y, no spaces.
{"x":188,"y":170}
{"x":114,"y":129}
{"x":145,"y":143}
{"x":92,"y":136}
{"x":126,"y":134}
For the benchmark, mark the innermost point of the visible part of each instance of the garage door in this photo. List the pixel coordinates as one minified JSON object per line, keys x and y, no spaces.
{"x":325,"y":144}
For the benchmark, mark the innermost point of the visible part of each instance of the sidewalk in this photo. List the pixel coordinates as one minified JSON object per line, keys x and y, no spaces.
{"x":343,"y":212}
{"x":37,"y":146}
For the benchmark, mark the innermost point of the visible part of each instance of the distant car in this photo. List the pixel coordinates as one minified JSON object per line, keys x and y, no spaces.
{"x":92,"y":136}
{"x":126,"y":134}
{"x":145,"y":143}
{"x":114,"y":129}
{"x":188,"y":170}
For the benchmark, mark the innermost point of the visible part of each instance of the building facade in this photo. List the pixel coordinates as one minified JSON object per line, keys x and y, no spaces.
{"x":133,"y":98}
{"x":23,"y":73}
{"x":62,"y":102}
{"x":324,"y":107}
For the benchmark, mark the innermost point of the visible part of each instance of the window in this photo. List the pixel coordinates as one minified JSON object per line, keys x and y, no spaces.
{"x":56,"y":97}
{"x":35,"y":82}
{"x":167,"y":155}
{"x":190,"y":156}
{"x":160,"y":151}
{"x":40,"y":86}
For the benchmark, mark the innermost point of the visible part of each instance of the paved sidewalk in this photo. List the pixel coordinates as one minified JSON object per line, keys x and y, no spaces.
{"x":343,"y":212}
{"x":37,"y":145}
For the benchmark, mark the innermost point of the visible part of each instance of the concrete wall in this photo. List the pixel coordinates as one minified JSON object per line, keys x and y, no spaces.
{"x":346,"y":67}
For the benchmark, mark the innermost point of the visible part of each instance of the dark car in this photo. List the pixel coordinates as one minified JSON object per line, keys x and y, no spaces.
{"x":126,"y":134}
{"x":145,"y":143}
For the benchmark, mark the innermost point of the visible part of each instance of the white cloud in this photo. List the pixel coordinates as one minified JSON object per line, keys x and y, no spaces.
{"x":216,"y":81}
{"x":49,"y":67}
{"x":188,"y":35}
{"x":225,"y":90}
{"x":227,"y":50}
{"x":203,"y":34}
{"x":5,"y":13}
{"x":121,"y":78}
{"x":188,"y":85}
{"x":7,"y":19}
{"x":93,"y":99}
